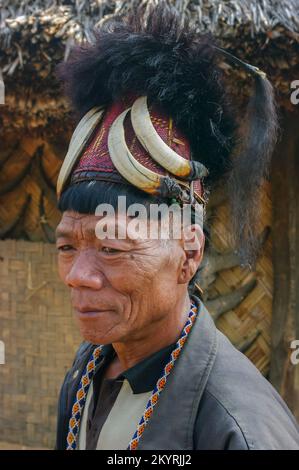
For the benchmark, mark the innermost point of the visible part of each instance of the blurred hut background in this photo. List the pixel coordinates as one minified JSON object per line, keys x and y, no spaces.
{"x":258,"y":310}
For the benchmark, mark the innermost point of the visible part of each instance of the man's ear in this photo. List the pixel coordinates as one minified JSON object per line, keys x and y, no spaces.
{"x":193,"y":243}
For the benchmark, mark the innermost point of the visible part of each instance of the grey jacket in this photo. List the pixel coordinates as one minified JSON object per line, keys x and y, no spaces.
{"x":215,"y":398}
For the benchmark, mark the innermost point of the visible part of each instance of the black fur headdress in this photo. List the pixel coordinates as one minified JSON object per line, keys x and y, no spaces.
{"x":167,"y":60}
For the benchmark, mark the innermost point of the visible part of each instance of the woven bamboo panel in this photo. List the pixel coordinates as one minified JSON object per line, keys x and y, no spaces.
{"x":253,"y":315}
{"x":22,"y":203}
{"x":40,"y":339}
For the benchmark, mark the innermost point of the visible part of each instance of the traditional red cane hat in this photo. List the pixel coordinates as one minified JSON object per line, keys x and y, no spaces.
{"x":133,"y":142}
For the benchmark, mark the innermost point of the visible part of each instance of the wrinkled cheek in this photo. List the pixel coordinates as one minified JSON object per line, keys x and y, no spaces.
{"x":99,"y":329}
{"x":131,"y":280}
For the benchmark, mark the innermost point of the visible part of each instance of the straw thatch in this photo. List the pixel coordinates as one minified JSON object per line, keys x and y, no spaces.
{"x":66,"y":22}
{"x":36,"y":35}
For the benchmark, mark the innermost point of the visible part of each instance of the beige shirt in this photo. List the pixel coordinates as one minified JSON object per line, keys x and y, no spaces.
{"x":122,"y":420}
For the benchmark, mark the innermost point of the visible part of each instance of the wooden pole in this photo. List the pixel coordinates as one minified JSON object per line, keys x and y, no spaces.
{"x":285,"y":314}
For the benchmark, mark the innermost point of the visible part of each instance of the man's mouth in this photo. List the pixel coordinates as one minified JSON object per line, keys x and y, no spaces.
{"x":85,"y":312}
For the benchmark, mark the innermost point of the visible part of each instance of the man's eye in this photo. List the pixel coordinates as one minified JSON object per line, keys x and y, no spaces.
{"x":106,"y":249}
{"x":65,"y":248}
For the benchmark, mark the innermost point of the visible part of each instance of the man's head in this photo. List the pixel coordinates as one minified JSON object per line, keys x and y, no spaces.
{"x":156,"y":126}
{"x":123,"y":287}
{"x":154,"y":55}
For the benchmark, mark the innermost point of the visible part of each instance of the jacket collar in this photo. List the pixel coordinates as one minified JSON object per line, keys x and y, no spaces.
{"x":183,"y":391}
{"x":178,"y":404}
{"x":143,"y":376}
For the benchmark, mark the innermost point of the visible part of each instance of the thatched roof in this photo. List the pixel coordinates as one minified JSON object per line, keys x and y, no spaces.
{"x":65,"y":22}
{"x":36,"y":35}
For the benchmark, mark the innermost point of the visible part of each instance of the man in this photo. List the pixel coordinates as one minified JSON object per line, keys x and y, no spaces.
{"x":156,"y":128}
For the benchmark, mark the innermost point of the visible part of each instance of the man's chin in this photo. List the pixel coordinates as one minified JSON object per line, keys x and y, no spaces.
{"x":95,"y":335}
{"x":95,"y":338}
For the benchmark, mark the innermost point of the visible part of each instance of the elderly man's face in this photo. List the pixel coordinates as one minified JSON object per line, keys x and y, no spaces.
{"x":121,"y":286}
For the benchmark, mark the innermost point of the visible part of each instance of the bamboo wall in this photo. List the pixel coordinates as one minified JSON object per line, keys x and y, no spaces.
{"x":40,"y":339}
{"x":29,"y":168}
{"x":248,"y":324}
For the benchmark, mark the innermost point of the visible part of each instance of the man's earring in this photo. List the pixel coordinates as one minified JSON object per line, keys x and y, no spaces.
{"x":199,"y":288}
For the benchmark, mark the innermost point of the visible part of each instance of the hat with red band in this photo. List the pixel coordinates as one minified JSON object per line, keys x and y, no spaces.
{"x":134,"y":143}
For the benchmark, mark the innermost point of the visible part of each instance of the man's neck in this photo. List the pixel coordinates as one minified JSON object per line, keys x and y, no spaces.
{"x":161,"y":334}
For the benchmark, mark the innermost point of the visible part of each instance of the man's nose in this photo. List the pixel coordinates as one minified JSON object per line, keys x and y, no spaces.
{"x":84,"y":273}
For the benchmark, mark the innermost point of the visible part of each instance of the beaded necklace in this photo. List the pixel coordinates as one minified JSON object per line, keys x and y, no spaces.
{"x":86,"y":379}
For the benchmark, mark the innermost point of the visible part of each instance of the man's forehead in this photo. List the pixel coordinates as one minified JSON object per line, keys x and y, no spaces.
{"x":74,"y":223}
{"x":71,"y":220}
{"x":118,"y":226}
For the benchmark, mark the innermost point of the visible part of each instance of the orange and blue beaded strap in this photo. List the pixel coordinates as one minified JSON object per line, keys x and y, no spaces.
{"x":86,"y":379}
